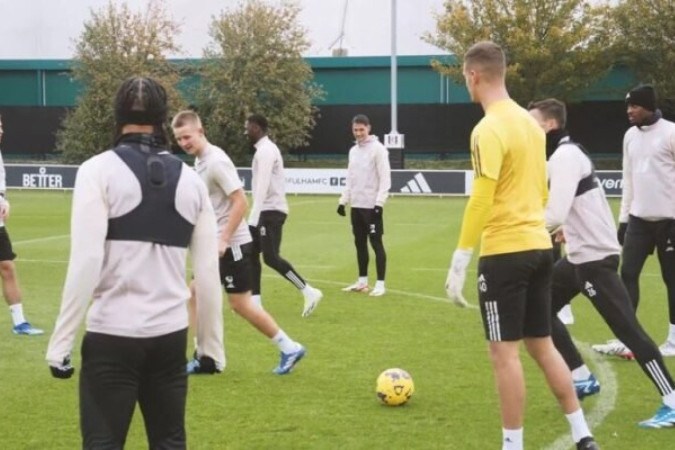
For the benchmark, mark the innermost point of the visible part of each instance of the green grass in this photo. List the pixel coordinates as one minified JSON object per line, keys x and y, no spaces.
{"x":329,"y":401}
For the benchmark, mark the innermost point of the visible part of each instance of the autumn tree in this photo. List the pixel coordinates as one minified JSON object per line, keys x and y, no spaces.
{"x":553,"y":47}
{"x":116,"y":43}
{"x":646,"y":43}
{"x":254,"y":65}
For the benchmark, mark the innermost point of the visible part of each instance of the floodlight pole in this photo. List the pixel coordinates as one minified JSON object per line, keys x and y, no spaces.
{"x":394,"y":75}
{"x":394,"y":139}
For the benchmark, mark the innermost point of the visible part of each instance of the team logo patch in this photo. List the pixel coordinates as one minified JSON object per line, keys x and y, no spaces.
{"x":482,"y":284}
{"x":263,"y":231}
{"x":229,"y":282}
{"x":590,"y":289}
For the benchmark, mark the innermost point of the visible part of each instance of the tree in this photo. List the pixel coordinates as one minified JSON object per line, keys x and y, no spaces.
{"x":116,"y":43}
{"x":553,"y":47}
{"x":646,"y":43}
{"x":255,"y":65}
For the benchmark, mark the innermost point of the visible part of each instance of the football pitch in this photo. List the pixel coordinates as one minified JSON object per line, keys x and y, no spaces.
{"x":329,"y":401}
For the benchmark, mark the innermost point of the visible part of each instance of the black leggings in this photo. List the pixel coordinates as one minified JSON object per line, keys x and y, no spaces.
{"x":267,"y":240}
{"x":641,"y":239}
{"x":599,"y":281}
{"x":117,"y":372}
{"x":365,"y":225}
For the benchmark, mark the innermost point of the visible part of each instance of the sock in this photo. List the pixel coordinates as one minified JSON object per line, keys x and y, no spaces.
{"x":581,"y":373}
{"x":194,"y":341}
{"x":363,"y":280}
{"x":285,"y":344}
{"x":257,"y":300}
{"x":17,"y":314}
{"x":307,"y":289}
{"x":669,"y":400}
{"x":513,"y":439}
{"x":379,"y":284}
{"x":578,"y":425}
{"x":671,"y":333}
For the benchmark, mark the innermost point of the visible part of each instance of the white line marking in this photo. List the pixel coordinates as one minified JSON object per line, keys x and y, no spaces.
{"x":42,"y":239}
{"x":606,"y":401}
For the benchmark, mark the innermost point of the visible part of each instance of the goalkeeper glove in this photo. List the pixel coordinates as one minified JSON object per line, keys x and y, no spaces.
{"x":64,"y":370}
{"x":454,"y":283}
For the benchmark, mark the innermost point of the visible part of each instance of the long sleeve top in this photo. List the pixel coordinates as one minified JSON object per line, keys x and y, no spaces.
{"x":585,"y":217}
{"x":649,"y":172}
{"x":268,"y":181}
{"x":368,"y":175}
{"x":136,"y":289}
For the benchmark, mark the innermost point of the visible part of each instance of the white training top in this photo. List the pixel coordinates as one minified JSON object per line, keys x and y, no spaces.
{"x":368,"y":175}
{"x":269,"y":183}
{"x":649,"y":172}
{"x":3,"y":185}
{"x":136,"y":289}
{"x":586,"y":220}
{"x":221,"y":179}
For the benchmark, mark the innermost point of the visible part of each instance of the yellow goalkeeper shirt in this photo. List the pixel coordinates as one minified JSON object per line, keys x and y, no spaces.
{"x":508,"y":152}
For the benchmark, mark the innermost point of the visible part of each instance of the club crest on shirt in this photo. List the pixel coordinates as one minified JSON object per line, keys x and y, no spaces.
{"x":229,"y":282}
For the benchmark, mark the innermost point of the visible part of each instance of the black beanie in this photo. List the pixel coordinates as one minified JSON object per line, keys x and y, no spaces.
{"x":642,"y":95}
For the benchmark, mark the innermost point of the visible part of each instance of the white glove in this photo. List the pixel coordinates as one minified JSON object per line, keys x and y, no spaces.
{"x":457,"y":275}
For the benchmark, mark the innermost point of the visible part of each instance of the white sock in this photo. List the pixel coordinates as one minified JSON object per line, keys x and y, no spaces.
{"x":285,"y":344}
{"x":671,"y":333}
{"x":581,"y":373}
{"x":578,"y":425}
{"x":669,"y":400}
{"x":16,"y":312}
{"x":379,"y":284}
{"x":512,"y":439}
{"x":363,"y":280}
{"x":307,"y":289}
{"x":257,"y":300}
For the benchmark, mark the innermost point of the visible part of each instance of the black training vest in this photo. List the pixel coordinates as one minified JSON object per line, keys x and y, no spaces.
{"x":588,"y":182}
{"x":155,"y":219}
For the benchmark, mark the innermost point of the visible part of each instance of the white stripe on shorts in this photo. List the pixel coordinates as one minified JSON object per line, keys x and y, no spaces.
{"x":492,"y":319}
{"x":236,"y":252}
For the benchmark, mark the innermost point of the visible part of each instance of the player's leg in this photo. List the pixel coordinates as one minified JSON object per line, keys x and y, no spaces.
{"x":666,"y":253}
{"x":359,"y":220}
{"x":564,"y":289}
{"x":375,"y":233}
{"x":501,"y":294}
{"x":637,"y":246}
{"x":536,"y":332}
{"x":163,"y":391}
{"x":109,"y":382}
{"x":11,"y":289}
{"x":256,"y":266}
{"x":604,"y":288}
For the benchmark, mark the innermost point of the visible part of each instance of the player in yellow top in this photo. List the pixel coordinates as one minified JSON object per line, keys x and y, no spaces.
{"x":506,"y":210}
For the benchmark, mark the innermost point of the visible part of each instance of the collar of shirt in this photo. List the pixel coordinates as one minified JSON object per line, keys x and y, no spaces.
{"x":262,"y":141}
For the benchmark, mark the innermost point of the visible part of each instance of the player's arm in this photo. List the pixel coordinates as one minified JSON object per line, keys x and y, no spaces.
{"x":627,"y":183}
{"x":4,"y":203}
{"x":207,"y":285}
{"x":384,"y":176}
{"x":88,"y":229}
{"x":263,"y":178}
{"x":345,"y":197}
{"x":227,"y":179}
{"x":565,"y":170}
{"x":487,"y":154}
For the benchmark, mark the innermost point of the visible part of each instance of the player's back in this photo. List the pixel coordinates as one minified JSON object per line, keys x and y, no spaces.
{"x":516,"y":160}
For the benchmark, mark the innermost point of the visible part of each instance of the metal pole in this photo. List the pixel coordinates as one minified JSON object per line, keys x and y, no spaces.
{"x":394,"y":99}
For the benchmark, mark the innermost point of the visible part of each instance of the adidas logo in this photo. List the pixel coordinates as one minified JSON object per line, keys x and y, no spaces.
{"x":482,"y":284}
{"x":417,"y":185}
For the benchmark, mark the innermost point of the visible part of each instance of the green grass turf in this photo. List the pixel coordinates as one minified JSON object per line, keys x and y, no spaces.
{"x":329,"y":402}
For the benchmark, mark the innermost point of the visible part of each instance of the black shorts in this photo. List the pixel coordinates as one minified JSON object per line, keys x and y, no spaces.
{"x":236,"y":271}
{"x":514,"y":290}
{"x":365,"y":221}
{"x":6,"y":251}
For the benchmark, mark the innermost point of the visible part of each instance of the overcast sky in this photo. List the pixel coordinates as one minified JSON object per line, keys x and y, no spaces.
{"x":45,"y":29}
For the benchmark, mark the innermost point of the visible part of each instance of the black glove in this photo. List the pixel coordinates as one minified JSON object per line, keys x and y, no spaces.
{"x":205,"y":365}
{"x":378,"y":211}
{"x":64,"y":370}
{"x":621,"y":232}
{"x":341,"y":210}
